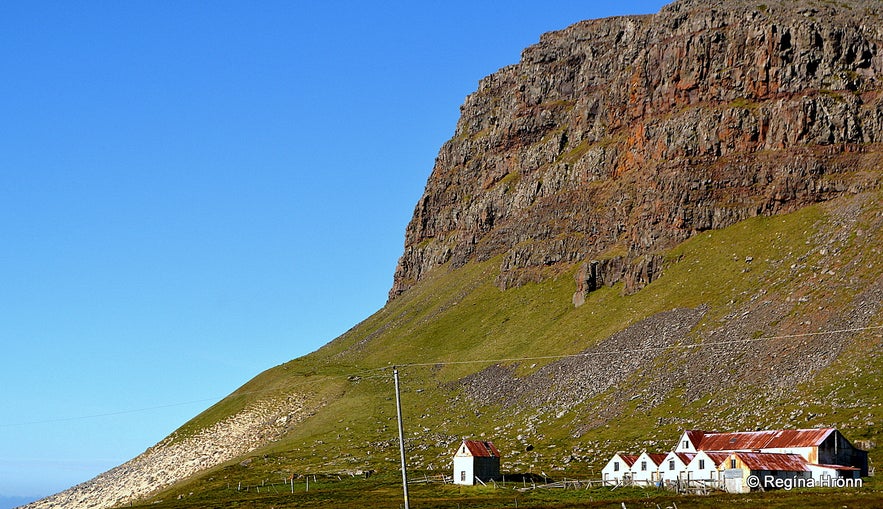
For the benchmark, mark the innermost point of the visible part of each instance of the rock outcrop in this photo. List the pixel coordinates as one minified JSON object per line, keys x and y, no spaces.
{"x":615,"y":139}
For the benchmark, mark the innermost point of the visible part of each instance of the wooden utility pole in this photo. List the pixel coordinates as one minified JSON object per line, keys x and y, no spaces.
{"x":395,"y":375}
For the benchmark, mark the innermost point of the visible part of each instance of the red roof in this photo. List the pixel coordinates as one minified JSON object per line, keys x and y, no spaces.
{"x":482,"y":449}
{"x":657,"y":458}
{"x":717,"y":457}
{"x":799,"y":437}
{"x":770,"y":439}
{"x":695,"y":436}
{"x":629,"y":459}
{"x":773,"y":462}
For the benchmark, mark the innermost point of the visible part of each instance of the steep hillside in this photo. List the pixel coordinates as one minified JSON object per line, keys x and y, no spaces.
{"x":720,"y":166}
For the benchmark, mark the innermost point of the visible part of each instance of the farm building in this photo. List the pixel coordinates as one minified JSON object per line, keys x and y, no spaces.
{"x":704,"y":459}
{"x":824,"y":446}
{"x":618,"y":469}
{"x":770,"y":469}
{"x":476,"y":459}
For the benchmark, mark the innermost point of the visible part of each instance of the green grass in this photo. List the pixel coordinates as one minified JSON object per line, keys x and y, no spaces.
{"x":384,"y":491}
{"x":460,"y":314}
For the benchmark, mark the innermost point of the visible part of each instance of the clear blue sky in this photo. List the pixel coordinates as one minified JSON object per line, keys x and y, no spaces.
{"x":193,"y":192}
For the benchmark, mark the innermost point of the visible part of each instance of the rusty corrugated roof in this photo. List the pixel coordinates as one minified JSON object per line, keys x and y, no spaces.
{"x":773,"y":462}
{"x":482,"y":449}
{"x":695,"y":436}
{"x":717,"y":457}
{"x":769,"y":439}
{"x":738,"y":441}
{"x":798,"y":438}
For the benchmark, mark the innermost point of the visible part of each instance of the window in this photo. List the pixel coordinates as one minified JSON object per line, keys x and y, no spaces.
{"x":686,"y":444}
{"x":462,"y":476}
{"x":616,"y":466}
{"x":671,"y":464}
{"x":701,"y":464}
{"x":644,"y":466}
{"x":733,"y":463}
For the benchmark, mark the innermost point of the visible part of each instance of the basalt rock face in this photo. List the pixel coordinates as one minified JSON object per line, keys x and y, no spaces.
{"x":615,"y":139}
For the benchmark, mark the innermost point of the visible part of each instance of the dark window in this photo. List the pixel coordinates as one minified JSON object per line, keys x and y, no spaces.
{"x":733,"y":463}
{"x":686,"y":444}
{"x":644,"y":465}
{"x":671,"y":464}
{"x":701,"y":464}
{"x":616,"y":466}
{"x":463,"y":476}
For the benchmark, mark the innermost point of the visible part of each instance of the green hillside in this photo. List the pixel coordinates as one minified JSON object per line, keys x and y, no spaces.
{"x":773,"y":322}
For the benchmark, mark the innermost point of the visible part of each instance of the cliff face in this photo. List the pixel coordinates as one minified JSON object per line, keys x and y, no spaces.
{"x":615,"y":139}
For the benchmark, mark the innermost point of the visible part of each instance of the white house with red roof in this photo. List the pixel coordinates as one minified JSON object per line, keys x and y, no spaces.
{"x":619,"y":469}
{"x":476,"y":460}
{"x":674,"y":466}
{"x":704,"y":466}
{"x":648,"y":468}
{"x":814,"y":457}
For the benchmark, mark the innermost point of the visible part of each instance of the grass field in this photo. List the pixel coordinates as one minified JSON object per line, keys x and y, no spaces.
{"x":385,"y":491}
{"x":813,"y":265}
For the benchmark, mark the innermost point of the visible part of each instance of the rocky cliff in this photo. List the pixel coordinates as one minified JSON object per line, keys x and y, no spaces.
{"x":615,"y":139}
{"x":608,"y":144}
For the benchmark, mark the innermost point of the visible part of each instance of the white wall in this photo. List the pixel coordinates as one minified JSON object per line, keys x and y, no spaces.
{"x":680,"y":445}
{"x":708,"y":472}
{"x":463,"y":473}
{"x":612,"y":476}
{"x":648,"y":475}
{"x":679,"y":472}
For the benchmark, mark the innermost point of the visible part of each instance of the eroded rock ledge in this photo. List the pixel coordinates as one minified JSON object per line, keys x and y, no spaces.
{"x":618,"y":138}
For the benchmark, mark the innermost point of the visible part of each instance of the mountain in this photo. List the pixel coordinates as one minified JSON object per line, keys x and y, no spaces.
{"x":649,"y":223}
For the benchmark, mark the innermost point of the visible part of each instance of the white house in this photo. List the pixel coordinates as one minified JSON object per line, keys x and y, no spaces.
{"x":618,"y":469}
{"x":674,"y":466}
{"x":647,"y":467}
{"x":476,"y":459}
{"x":704,"y":466}
{"x":690,"y":441}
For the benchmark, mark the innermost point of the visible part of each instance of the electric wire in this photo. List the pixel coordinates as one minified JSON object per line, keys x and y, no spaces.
{"x":376,"y":373}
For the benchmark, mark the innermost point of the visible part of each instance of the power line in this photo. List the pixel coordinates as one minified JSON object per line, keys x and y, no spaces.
{"x":636,"y":350}
{"x":108,"y":414}
{"x":374,"y":373}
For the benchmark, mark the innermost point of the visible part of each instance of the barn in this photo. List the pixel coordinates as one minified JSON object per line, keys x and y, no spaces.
{"x":818,"y":446}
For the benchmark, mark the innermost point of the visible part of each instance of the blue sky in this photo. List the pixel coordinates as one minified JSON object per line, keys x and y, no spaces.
{"x":193,"y":192}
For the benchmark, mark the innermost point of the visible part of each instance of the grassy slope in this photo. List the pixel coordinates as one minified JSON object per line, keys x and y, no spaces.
{"x":460,"y":315}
